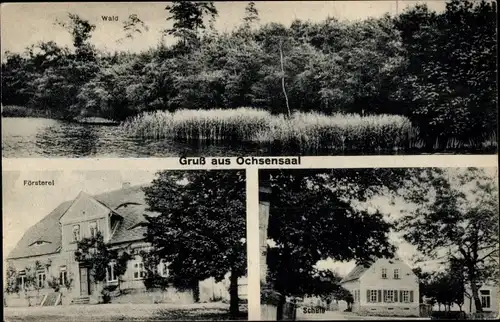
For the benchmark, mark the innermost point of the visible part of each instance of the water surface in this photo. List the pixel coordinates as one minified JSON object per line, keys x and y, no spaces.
{"x":41,"y":137}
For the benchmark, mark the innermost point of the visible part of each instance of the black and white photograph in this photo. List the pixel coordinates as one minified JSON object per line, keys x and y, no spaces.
{"x":118,"y":245}
{"x":264,"y":78}
{"x":379,"y":243}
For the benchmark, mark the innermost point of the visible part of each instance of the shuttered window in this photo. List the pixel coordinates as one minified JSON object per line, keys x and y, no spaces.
{"x":411,"y":296}
{"x":379,"y":296}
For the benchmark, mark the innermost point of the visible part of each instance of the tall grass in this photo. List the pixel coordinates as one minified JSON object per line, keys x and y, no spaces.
{"x":304,"y":130}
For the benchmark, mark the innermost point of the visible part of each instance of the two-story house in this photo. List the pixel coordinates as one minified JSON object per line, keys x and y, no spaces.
{"x":51,"y":243}
{"x":386,"y":287}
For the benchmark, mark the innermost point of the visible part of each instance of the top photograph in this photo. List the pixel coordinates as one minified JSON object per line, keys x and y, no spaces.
{"x":264,"y":78}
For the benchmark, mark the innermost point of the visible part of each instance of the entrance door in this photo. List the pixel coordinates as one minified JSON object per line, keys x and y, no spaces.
{"x":84,"y":281}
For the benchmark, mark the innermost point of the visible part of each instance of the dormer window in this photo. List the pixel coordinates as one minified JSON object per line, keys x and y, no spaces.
{"x":76,"y":233}
{"x":93,"y":229}
{"x":39,"y":242}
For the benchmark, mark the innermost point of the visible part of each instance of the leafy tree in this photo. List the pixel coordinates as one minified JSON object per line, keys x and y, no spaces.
{"x":251,"y":14}
{"x":12,"y":285}
{"x":456,"y":220}
{"x":310,"y":210}
{"x":200,"y":229}
{"x":133,"y":25}
{"x":81,"y":32}
{"x":98,"y":255}
{"x":188,"y":18}
{"x":451,"y":69}
{"x":424,"y":284}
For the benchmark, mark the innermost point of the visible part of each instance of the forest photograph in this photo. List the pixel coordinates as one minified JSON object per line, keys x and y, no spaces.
{"x":240,"y":78}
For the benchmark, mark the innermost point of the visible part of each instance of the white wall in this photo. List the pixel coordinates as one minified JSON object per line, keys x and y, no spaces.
{"x":372,"y":280}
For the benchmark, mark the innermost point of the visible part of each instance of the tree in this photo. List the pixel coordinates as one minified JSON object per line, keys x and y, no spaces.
{"x":251,"y":14}
{"x":98,"y":255}
{"x":456,"y":220}
{"x":132,"y":26}
{"x":12,"y":285}
{"x":200,"y":229}
{"x":81,"y":32}
{"x":188,"y":18}
{"x":424,"y":284}
{"x":450,"y":82}
{"x":309,"y":215}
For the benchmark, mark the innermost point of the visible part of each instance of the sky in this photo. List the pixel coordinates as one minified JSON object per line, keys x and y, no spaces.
{"x":23,"y":24}
{"x":395,"y":210}
{"x":23,"y":206}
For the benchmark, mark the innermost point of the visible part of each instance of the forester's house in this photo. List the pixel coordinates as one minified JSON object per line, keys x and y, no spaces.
{"x":386,"y":287}
{"x":52,"y":243}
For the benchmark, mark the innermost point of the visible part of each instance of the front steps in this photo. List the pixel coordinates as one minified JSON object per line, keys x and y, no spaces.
{"x":51,"y":299}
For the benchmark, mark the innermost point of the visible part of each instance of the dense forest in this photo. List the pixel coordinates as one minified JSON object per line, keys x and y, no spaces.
{"x":436,"y":69}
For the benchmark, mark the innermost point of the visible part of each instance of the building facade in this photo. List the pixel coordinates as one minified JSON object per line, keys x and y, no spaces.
{"x":44,"y":259}
{"x":386,"y":287}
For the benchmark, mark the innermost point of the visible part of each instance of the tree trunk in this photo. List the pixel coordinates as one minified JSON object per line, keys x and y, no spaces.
{"x":233,"y":295}
{"x":475,"y":295}
{"x":280,"y":307}
{"x":196,"y":291}
{"x":283,"y":79}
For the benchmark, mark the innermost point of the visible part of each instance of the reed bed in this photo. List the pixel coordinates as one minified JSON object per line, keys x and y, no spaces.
{"x":303,"y":130}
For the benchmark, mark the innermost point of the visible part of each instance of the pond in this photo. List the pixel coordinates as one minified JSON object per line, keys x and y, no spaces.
{"x":41,"y":137}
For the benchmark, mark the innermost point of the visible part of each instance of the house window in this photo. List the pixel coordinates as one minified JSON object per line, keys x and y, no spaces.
{"x":76,"y":233}
{"x":389,"y":296}
{"x":373,"y":296}
{"x":110,"y":273}
{"x":41,"y":279}
{"x":21,"y":279}
{"x":63,"y":276}
{"x":139,"y":271}
{"x":93,"y":229}
{"x":485,"y":299}
{"x":163,"y":268}
{"x":396,"y":274}
{"x":384,"y":273}
{"x":405,"y":296}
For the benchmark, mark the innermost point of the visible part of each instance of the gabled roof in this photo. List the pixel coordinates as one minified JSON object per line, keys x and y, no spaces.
{"x":355,"y":273}
{"x":359,"y":270}
{"x":49,"y":230}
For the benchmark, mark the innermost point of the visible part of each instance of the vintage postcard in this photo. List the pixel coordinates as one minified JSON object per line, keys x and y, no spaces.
{"x":250,"y":160}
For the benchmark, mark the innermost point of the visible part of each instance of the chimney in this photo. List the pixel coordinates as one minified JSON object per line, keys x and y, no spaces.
{"x":125,"y":185}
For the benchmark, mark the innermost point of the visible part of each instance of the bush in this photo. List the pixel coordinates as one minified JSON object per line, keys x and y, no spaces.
{"x":448,"y":315}
{"x":106,"y":293}
{"x":269,"y":297}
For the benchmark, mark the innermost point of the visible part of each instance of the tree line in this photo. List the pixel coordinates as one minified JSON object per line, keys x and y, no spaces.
{"x":438,"y":69}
